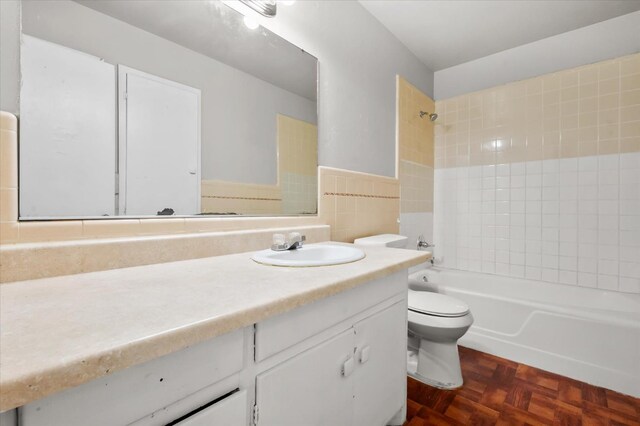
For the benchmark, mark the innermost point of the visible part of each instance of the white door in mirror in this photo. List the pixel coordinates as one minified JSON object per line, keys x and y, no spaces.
{"x":310,"y":255}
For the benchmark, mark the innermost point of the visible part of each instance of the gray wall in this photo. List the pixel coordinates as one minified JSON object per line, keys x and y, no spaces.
{"x":359,"y":60}
{"x":238,"y":110}
{"x":605,"y":40}
{"x":9,"y":55}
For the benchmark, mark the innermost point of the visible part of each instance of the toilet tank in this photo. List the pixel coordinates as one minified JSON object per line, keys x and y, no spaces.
{"x":383,"y":240}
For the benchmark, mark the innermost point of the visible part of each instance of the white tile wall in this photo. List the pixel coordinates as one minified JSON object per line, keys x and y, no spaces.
{"x":571,"y":221}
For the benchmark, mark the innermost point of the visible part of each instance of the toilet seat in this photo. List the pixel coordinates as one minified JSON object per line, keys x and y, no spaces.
{"x":429,"y":303}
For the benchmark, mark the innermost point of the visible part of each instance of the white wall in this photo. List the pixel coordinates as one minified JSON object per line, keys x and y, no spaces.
{"x":359,"y":59}
{"x":605,"y":40}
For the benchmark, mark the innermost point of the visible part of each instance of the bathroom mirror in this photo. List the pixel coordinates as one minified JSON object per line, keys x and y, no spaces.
{"x":147,"y":108}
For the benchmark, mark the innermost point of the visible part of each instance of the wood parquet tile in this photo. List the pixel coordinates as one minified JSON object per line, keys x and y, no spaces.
{"x":500,"y":392}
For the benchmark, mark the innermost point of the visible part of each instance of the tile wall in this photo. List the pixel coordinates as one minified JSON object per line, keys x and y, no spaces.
{"x":541,"y":178}
{"x":297,"y":165}
{"x":358,"y":204}
{"x":415,"y":148}
{"x":240,"y":198}
{"x":415,"y":140}
{"x":296,"y":190}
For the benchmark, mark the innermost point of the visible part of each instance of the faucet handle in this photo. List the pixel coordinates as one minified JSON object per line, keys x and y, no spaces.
{"x":295,"y":237}
{"x":278,"y":242}
{"x":422,"y":243}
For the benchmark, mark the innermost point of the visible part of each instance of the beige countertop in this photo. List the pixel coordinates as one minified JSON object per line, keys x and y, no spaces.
{"x":56,"y":333}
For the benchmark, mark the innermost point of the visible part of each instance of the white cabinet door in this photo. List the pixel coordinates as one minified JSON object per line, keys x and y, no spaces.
{"x":160,"y":145}
{"x":380,"y":378}
{"x":310,"y":389}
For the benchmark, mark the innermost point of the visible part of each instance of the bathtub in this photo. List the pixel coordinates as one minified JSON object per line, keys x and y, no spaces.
{"x":587,"y":334}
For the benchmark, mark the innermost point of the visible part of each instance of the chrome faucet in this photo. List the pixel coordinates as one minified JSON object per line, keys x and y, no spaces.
{"x":423,"y":244}
{"x":293,"y":241}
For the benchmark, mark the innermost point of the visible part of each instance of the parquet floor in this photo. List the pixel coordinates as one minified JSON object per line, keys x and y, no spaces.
{"x":497,"y":391}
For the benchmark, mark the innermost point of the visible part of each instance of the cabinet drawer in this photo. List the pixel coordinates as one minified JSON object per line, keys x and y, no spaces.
{"x":128,"y":395}
{"x":231,"y":411}
{"x":282,"y":331}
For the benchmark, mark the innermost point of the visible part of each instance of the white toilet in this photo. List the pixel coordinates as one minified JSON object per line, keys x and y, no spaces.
{"x":436,"y":322}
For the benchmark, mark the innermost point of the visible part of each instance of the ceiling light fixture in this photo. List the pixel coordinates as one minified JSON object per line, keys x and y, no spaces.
{"x":267,"y":8}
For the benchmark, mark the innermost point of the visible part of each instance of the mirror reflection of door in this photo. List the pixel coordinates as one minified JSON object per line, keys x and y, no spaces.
{"x":67,"y":106}
{"x":159,"y":145}
{"x":218,"y":119}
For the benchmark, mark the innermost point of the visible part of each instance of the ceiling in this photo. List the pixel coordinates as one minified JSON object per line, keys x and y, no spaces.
{"x":444,"y":33}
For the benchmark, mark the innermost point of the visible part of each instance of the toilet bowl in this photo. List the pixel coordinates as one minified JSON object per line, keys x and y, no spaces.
{"x":436,"y":322}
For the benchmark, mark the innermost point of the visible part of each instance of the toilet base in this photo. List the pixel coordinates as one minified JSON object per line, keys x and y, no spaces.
{"x":432,"y":383}
{"x":438,"y":365}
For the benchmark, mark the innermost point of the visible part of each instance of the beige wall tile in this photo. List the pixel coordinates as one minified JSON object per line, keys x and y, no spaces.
{"x":111,"y":228}
{"x":630,"y":113}
{"x":371,"y":207}
{"x":8,"y":204}
{"x":630,"y":65}
{"x":416,"y":134}
{"x":59,"y":230}
{"x":162,"y":226}
{"x":297,"y":146}
{"x":239,"y":198}
{"x":8,"y":159}
{"x":629,"y":98}
{"x":417,"y":141}
{"x":630,"y":144}
{"x":9,"y":232}
{"x":594,"y":109}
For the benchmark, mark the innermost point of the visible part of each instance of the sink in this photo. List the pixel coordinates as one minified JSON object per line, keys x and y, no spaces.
{"x":312,"y":255}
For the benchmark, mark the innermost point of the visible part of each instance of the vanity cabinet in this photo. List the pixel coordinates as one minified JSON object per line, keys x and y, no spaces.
{"x":337,"y":361}
{"x":355,"y":378}
{"x":153,"y":393}
{"x":380,"y":380}
{"x":231,"y":411}
{"x":313,"y":388}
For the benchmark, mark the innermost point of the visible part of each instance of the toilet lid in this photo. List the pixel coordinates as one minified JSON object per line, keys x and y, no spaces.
{"x":430,"y":303}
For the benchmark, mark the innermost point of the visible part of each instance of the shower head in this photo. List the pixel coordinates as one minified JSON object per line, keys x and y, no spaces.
{"x":432,"y":116}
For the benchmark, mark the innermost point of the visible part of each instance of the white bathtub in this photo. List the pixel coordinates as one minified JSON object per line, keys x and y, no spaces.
{"x":586,"y":334}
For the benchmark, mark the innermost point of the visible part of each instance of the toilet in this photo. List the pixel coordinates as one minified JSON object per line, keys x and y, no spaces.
{"x":436,"y":322}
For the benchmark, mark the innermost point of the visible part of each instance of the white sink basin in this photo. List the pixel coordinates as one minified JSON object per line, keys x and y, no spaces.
{"x":313,"y":255}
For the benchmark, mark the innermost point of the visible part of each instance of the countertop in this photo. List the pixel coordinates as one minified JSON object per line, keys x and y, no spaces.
{"x":57,"y":333}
